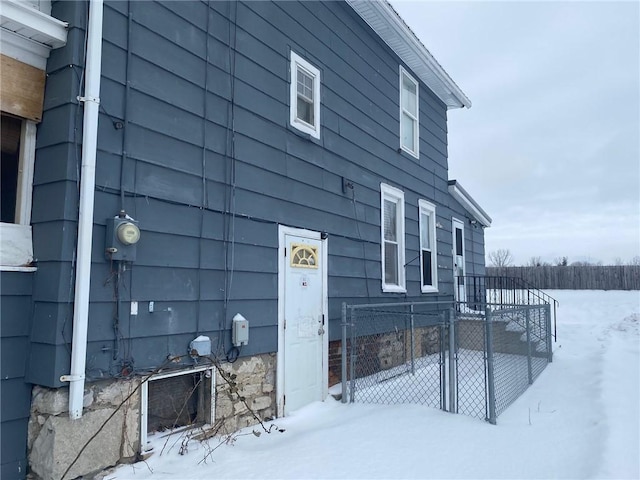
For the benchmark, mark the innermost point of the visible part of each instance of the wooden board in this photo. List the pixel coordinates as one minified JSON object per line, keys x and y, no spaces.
{"x":21,"y":89}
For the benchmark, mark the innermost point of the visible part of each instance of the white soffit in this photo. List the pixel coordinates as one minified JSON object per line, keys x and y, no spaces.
{"x":461,"y":195}
{"x":28,"y":34}
{"x":389,"y":26}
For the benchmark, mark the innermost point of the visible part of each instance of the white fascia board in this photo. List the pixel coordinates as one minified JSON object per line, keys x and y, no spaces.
{"x":31,"y":23}
{"x":390,"y":27}
{"x":24,"y":49}
{"x":461,"y":195}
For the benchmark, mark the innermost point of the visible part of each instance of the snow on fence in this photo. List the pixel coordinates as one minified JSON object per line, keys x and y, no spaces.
{"x":474,"y":360}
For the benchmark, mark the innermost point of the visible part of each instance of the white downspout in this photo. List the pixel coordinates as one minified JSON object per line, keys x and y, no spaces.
{"x":91,"y":101}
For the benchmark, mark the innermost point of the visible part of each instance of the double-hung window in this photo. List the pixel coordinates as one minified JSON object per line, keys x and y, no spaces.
{"x":409,"y":118}
{"x":428,"y":252}
{"x":305,"y":96}
{"x":392,"y":238}
{"x":18,"y":153}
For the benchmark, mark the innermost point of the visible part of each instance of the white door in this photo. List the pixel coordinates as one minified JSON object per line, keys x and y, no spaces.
{"x":458,"y":260}
{"x":304,"y":348}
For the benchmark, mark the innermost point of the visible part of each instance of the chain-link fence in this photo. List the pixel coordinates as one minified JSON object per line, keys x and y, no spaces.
{"x":470,"y":363}
{"x":395,"y":354}
{"x":519,"y":350}
{"x":463,"y":358}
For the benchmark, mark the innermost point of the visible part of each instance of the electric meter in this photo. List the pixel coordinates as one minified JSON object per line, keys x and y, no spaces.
{"x":128,"y":233}
{"x":122,"y":236}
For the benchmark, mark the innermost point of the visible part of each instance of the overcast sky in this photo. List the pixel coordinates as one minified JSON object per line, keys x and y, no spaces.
{"x":551,"y":146}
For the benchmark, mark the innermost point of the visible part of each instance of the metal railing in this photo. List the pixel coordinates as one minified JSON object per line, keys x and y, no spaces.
{"x":477,"y":290}
{"x":450,"y":355}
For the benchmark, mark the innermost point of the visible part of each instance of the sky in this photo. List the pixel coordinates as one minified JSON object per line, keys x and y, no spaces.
{"x":579,"y":419}
{"x":551,"y":146}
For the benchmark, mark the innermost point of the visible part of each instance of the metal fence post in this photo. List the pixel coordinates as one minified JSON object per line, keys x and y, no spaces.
{"x":352,"y":371}
{"x":490,"y":374}
{"x":548,"y":337}
{"x":413,"y":355}
{"x":443,"y":369}
{"x":343,"y":398}
{"x":555,"y":322}
{"x":453,"y":381}
{"x":528,"y":330}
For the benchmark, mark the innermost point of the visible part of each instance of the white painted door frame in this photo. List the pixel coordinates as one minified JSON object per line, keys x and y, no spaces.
{"x":283,"y":231}
{"x":457,"y":290}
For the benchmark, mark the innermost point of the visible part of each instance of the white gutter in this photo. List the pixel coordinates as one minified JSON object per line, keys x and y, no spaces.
{"x":390,"y":27}
{"x":91,"y":101}
{"x":31,"y":23}
{"x":469,"y":204}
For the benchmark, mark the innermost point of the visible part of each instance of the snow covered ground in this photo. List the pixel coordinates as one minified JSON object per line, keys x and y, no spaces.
{"x":580,"y":419}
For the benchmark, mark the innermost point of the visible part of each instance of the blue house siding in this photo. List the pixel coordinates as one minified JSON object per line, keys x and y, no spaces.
{"x":55,"y":204}
{"x":15,"y":392}
{"x":202,"y":155}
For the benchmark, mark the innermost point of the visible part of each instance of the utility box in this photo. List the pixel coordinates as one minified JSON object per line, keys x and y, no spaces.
{"x":200,"y":347}
{"x":122,"y":236}
{"x":240,"y":331}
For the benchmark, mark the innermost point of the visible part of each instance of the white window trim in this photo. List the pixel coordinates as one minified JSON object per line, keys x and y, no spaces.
{"x":16,"y":241}
{"x":145,"y":447}
{"x":387,"y":192}
{"x":299,"y":62}
{"x":430,"y":208}
{"x":416,"y":117}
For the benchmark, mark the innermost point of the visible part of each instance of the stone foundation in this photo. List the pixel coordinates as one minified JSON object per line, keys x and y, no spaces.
{"x":54,"y":441}
{"x":255,"y":379}
{"x":383,"y":351}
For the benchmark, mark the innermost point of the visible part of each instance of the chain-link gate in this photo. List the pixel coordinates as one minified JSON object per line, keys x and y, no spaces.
{"x":395,"y":354}
{"x":474,"y":360}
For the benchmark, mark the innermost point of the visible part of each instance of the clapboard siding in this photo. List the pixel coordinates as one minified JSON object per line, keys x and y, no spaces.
{"x":15,"y":318}
{"x":13,"y":453}
{"x":201,"y":91}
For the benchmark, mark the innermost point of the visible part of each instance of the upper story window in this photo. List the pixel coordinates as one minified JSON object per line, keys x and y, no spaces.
{"x":409,"y":118}
{"x":305,"y":96}
{"x":392,"y":238}
{"x":428,"y":251}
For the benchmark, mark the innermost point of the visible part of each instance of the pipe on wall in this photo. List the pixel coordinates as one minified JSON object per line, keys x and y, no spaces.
{"x":91,"y":101}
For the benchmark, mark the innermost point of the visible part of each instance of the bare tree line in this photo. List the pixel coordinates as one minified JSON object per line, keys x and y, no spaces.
{"x":503,"y":258}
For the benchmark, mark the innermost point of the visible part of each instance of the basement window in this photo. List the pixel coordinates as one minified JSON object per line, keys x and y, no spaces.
{"x":175,"y":400}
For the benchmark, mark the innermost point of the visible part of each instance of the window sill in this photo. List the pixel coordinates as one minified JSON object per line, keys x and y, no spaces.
{"x":7,"y":268}
{"x":429,"y":290}
{"x":16,"y":246}
{"x":409,"y":152}
{"x":306,"y":129}
{"x":393,"y":289}
{"x":303,"y":134}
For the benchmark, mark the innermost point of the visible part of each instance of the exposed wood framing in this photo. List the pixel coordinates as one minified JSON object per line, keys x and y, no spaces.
{"x":21,"y":89}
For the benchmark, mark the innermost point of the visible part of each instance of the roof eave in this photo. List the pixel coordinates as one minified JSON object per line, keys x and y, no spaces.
{"x":390,"y":27}
{"x":32,"y":24}
{"x":469,"y":204}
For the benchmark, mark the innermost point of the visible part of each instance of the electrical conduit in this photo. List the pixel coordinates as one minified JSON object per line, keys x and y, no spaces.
{"x":91,"y":101}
